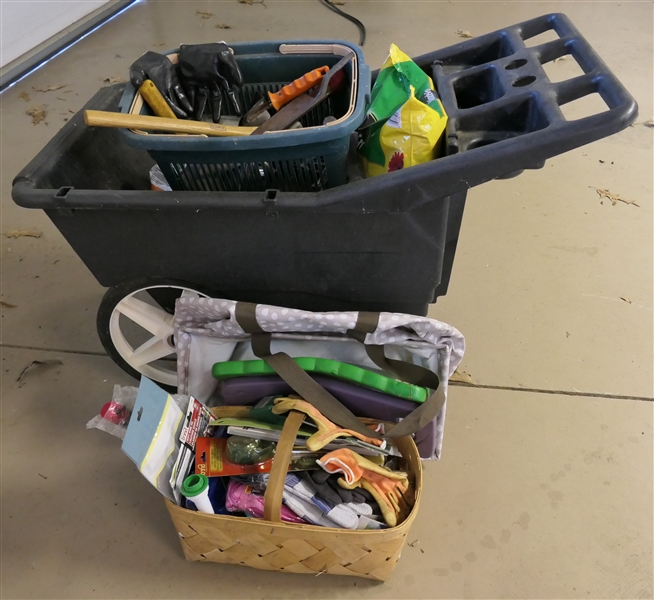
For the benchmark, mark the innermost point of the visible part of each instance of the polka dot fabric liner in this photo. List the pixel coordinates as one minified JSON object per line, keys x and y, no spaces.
{"x":429,"y":342}
{"x":217,"y":316}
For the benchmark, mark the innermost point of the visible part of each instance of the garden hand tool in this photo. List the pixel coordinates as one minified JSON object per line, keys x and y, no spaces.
{"x":155,"y":100}
{"x":278,"y":99}
{"x":100,"y":118}
{"x":301,"y":105}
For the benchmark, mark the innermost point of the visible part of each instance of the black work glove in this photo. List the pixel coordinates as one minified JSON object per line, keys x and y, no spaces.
{"x":158,"y":69}
{"x":206,"y":68}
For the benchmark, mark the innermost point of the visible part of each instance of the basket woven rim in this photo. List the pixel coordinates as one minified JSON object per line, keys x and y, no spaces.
{"x":308,"y":527}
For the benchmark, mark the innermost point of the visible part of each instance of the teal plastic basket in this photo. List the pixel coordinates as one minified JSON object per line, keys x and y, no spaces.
{"x":309,"y":159}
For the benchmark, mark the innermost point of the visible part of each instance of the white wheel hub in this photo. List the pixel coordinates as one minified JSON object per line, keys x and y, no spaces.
{"x":134,"y":318}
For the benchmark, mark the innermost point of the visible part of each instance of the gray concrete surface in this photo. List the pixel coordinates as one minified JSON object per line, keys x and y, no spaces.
{"x":545,"y":487}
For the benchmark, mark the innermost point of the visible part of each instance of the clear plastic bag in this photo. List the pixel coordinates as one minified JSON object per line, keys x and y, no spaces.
{"x":115,"y":414}
{"x":406,"y":118}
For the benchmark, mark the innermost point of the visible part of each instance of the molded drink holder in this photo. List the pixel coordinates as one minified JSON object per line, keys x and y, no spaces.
{"x":496,"y":92}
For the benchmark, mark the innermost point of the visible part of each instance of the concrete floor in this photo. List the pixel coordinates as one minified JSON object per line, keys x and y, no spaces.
{"x":545,"y":487}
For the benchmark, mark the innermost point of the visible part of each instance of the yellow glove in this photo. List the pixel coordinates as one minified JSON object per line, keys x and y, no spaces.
{"x":327,"y":431}
{"x":387,"y":487}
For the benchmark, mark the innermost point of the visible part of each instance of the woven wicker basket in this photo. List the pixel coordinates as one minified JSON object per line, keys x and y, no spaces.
{"x":273,"y":545}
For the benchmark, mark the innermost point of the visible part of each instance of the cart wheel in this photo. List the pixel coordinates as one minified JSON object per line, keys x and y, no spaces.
{"x":135,"y":325}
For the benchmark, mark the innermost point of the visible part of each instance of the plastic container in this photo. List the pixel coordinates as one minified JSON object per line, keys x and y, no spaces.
{"x":502,"y":105}
{"x":385,"y":243}
{"x":304,"y":160}
{"x":352,"y":247}
{"x":196,"y":489}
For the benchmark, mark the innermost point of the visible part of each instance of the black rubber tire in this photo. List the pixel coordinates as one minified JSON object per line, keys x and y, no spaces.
{"x":115,"y":294}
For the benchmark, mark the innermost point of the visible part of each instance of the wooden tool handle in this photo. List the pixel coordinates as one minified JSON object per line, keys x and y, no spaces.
{"x":155,"y":100}
{"x":100,"y":118}
{"x":297,"y":87}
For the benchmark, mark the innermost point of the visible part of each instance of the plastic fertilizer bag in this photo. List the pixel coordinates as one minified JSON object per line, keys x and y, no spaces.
{"x":405,"y":119}
{"x":410,"y":137}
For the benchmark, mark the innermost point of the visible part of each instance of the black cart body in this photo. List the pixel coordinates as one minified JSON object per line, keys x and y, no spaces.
{"x":385,"y":243}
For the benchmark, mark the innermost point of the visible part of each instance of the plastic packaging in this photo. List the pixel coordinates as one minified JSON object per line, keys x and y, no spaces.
{"x":248,"y":451}
{"x":152,"y":436}
{"x":211,"y":459}
{"x":405,"y":119}
{"x":242,"y":497}
{"x":158,"y":181}
{"x":410,"y":137}
{"x":196,"y":423}
{"x":115,"y":414}
{"x":393,"y":85}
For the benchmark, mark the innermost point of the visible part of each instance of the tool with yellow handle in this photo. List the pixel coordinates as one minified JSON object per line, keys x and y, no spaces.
{"x":100,"y":118}
{"x":155,"y":100}
{"x":278,"y":99}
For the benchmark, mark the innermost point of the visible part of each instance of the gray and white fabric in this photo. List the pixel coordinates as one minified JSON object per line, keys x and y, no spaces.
{"x":207,"y":332}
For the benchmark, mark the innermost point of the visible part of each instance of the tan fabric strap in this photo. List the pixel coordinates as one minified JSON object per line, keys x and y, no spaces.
{"x":404,"y":371}
{"x":367,"y":322}
{"x":272,"y":500}
{"x":314,"y":393}
{"x":319,"y":397}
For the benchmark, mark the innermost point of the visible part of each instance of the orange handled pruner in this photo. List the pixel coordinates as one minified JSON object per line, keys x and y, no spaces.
{"x":278,"y":99}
